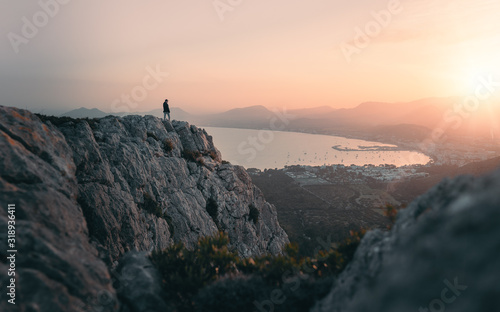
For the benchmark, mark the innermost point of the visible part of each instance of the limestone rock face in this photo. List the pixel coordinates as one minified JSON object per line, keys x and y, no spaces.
{"x":56,"y":268}
{"x":124,"y":164}
{"x":442,"y":254}
{"x":88,"y":191}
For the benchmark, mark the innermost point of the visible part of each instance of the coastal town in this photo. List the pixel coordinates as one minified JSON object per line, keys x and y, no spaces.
{"x":339,"y":174}
{"x":457,"y":151}
{"x":342,"y":198}
{"x":449,"y":154}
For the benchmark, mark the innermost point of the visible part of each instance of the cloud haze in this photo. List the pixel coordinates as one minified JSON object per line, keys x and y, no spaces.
{"x":273,"y":53}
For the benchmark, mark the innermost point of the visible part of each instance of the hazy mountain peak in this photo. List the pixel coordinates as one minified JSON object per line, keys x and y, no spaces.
{"x":254,"y":108}
{"x":84,"y":112}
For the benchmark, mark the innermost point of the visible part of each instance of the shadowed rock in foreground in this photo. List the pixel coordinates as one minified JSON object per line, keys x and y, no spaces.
{"x":88,"y":191}
{"x":442,"y":254}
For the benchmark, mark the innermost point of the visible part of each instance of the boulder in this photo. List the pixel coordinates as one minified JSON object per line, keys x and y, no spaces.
{"x":442,"y":254}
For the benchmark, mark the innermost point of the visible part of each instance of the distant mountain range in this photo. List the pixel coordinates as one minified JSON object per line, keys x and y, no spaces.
{"x":85,"y":113}
{"x":96,"y":113}
{"x":409,"y":120}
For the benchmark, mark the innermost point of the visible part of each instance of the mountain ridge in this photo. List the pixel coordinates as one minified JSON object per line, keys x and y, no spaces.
{"x":431,"y":113}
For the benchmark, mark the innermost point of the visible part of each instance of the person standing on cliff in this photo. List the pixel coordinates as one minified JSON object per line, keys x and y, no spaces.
{"x":166,"y":110}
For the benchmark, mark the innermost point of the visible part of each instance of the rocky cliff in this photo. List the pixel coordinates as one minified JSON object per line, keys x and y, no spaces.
{"x":87,"y":191}
{"x":443,"y":254}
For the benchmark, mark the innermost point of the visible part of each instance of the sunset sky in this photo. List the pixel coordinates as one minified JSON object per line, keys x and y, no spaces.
{"x":272,"y":53}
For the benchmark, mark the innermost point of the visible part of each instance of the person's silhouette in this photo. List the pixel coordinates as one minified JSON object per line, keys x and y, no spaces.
{"x":166,"y":110}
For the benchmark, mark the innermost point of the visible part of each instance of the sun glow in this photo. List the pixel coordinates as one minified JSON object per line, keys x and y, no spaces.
{"x":472,"y":75}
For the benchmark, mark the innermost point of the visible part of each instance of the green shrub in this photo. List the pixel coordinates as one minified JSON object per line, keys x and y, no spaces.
{"x":232,"y":294}
{"x":201,"y":161}
{"x":333,"y":261}
{"x":168,"y":146}
{"x":170,"y":224}
{"x":390,"y":212}
{"x":151,"y":205}
{"x":272,"y":268}
{"x":212,"y":155}
{"x":241,"y":293}
{"x":324,"y":263}
{"x":184,"y":272}
{"x":193,"y":156}
{"x":212,"y":209}
{"x":152,"y":135}
{"x":210,"y":277}
{"x":254,"y":214}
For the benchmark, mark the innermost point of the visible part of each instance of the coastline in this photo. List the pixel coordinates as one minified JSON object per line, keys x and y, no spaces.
{"x":287,"y":148}
{"x":452,"y":151}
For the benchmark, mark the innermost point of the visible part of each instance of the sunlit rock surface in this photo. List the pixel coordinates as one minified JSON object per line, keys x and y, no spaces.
{"x":87,"y":192}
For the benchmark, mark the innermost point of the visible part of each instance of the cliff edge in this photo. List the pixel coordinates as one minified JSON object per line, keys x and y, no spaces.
{"x":84,"y":192}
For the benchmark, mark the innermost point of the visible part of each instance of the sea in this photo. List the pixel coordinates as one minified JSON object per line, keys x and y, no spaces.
{"x":266,"y":149}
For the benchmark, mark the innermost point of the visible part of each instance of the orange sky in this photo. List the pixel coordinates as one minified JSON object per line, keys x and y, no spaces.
{"x":273,"y":53}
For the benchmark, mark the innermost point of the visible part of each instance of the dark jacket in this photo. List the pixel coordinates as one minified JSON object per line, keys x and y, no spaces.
{"x":166,"y":109}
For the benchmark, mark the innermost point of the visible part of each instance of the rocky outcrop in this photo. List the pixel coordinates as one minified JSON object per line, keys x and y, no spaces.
{"x":442,"y":254}
{"x":139,"y":283}
{"x":88,"y":191}
{"x":55,"y":265}
{"x":127,"y":166}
